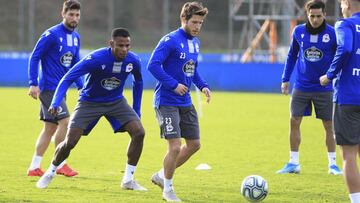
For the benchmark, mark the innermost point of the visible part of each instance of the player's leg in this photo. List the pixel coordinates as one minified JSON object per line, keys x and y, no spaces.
{"x":63,"y":150}
{"x":324,"y":110}
{"x":169,"y":122}
{"x":137,"y":133}
{"x":300,"y":105}
{"x":294,"y":134}
{"x":347,"y":131}
{"x":169,"y":164}
{"x":329,"y":139}
{"x":60,"y":132}
{"x":49,"y":128}
{"x":351,"y":171}
{"x":124,"y":119}
{"x":134,"y":150}
{"x":61,"y":153}
{"x":331,"y":148}
{"x":187,"y":150}
{"x":42,"y":144}
{"x":190,"y":130}
{"x":63,"y":121}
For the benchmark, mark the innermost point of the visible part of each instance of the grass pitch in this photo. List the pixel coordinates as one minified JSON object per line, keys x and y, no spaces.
{"x":241,"y":133}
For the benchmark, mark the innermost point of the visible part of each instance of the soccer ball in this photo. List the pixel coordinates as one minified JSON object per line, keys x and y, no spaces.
{"x":254,"y":188}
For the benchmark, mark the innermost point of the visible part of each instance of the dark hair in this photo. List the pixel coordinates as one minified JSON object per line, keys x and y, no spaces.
{"x":193,"y":8}
{"x":70,"y":5}
{"x":120,"y":32}
{"x":314,"y":4}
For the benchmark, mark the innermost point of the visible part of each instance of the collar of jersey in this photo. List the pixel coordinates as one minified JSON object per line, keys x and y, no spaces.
{"x":182,"y":31}
{"x":357,"y":14}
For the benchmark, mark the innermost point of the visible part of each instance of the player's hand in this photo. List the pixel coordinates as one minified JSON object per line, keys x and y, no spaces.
{"x":324,"y":80}
{"x":207,"y":93}
{"x":181,"y":89}
{"x":285,"y":88}
{"x":53,"y":110}
{"x":34,"y":92}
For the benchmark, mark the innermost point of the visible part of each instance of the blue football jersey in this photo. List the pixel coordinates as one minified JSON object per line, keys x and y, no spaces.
{"x":346,"y":64}
{"x":105,"y":78}
{"x":57,"y":50}
{"x":174,"y":61}
{"x":312,"y":56}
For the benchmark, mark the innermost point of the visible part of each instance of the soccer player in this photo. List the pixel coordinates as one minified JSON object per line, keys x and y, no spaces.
{"x":311,"y":52}
{"x":174,"y":64}
{"x":107,"y":69}
{"x":58,"y":50}
{"x":346,"y":68}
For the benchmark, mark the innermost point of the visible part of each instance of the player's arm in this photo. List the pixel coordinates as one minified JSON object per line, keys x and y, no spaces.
{"x":201,"y":84}
{"x":81,"y":68}
{"x":290,"y":63}
{"x":79,"y":82}
{"x":137,"y":88}
{"x":344,"y":40}
{"x":159,"y":55}
{"x":45,"y":42}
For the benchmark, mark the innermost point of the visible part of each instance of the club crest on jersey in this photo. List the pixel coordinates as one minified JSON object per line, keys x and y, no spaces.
{"x":129,"y":67}
{"x":326,"y":38}
{"x":66,"y":59}
{"x":76,"y":41}
{"x":197,"y":48}
{"x":189,"y":68}
{"x":357,"y":28}
{"x":313,"y":54}
{"x":110,"y":83}
{"x":117,"y":67}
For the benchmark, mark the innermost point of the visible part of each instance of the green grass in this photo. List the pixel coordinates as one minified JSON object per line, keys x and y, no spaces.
{"x":241,"y":133}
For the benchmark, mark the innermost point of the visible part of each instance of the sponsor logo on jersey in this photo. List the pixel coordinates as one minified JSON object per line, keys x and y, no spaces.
{"x":66,"y":59}
{"x":326,"y":38}
{"x":110,"y":83}
{"x":117,"y":67}
{"x":313,"y":54}
{"x":129,"y":67}
{"x":189,"y":68}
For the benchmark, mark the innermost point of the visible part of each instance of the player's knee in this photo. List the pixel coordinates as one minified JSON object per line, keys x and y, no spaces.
{"x":175,"y":150}
{"x":138,"y":134}
{"x":70,"y":144}
{"x":195,"y":146}
{"x":295,"y":121}
{"x":198,"y":146}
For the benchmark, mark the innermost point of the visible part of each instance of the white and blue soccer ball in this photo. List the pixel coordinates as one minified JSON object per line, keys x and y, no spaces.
{"x":254,"y":188}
